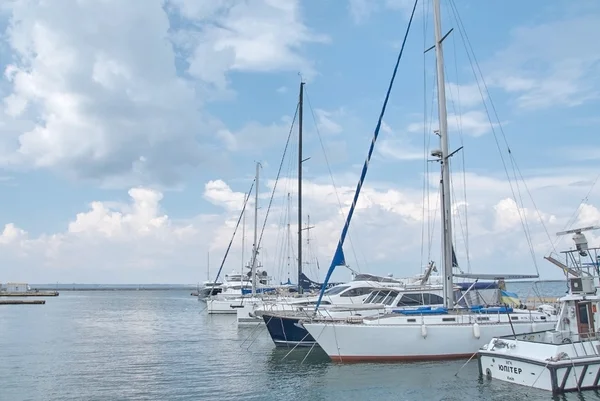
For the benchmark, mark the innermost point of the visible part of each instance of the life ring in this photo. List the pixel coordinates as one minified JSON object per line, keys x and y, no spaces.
{"x":566,"y":320}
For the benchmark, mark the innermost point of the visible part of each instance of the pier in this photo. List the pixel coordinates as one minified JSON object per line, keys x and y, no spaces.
{"x":22,"y":301}
{"x":29,"y":294}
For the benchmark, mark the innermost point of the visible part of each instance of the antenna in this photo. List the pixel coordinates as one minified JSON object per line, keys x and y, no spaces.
{"x":578,"y":230}
{"x":580,"y":241}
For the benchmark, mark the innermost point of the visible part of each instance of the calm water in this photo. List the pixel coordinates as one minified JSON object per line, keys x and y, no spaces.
{"x":161,"y":345}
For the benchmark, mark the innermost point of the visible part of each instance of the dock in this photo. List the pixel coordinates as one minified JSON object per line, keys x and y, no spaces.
{"x":29,"y":294}
{"x":22,"y":301}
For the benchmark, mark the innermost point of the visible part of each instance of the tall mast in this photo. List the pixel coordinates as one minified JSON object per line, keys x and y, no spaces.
{"x":300,"y":112}
{"x":243,"y":240}
{"x":255,"y":247}
{"x":443,"y":133}
{"x":289,"y":235}
{"x":208,"y":265}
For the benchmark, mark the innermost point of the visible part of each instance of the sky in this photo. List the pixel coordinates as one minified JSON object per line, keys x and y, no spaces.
{"x":130,"y":132}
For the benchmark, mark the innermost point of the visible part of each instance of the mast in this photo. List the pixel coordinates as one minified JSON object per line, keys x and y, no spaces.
{"x":243,"y":241}
{"x":444,"y":160}
{"x":300,"y":112}
{"x":289,"y":235}
{"x":208,"y":266}
{"x":255,"y":249}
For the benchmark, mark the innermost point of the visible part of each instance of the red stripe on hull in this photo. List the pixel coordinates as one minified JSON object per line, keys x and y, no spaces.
{"x":399,"y":358}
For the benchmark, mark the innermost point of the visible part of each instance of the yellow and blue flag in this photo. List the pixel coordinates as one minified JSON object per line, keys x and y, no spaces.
{"x":510,"y":298}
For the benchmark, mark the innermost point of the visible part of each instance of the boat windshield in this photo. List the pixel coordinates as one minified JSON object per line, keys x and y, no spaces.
{"x":371,"y":296}
{"x":380,"y":297}
{"x":390,"y":298}
{"x":336,"y":290}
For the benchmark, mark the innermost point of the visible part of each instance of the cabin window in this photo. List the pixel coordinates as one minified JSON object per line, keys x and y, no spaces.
{"x":411,"y":320}
{"x":432,"y":299}
{"x":336,"y":290}
{"x":410,"y":300}
{"x":480,"y":318}
{"x":514,"y":318}
{"x":583,"y":313}
{"x":448,"y":319}
{"x":380,"y":297}
{"x":370,"y":297}
{"x":390,"y":298}
{"x":356,"y":292}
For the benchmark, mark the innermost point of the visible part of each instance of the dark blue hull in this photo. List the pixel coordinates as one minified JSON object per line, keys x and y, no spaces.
{"x":286,"y":332}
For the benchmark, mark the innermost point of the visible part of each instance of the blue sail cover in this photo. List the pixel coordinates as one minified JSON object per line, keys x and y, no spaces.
{"x":338,"y":257}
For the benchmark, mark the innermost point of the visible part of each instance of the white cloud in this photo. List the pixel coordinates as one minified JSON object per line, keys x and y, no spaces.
{"x":463,"y":96}
{"x":474,"y":123}
{"x":12,"y":234}
{"x":399,"y":149}
{"x":255,"y":137}
{"x":102,"y":89}
{"x":256,"y":35}
{"x":98,"y":94}
{"x":326,"y":122}
{"x":552,"y":64}
{"x":138,"y":242}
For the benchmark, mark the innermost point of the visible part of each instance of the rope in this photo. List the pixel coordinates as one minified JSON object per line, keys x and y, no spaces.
{"x":234,"y":231}
{"x":474,"y":63}
{"x":277,"y":178}
{"x":339,"y":252}
{"x":330,"y":173}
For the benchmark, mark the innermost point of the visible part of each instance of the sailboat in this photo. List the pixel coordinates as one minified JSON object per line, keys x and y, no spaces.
{"x":239,"y":288}
{"x":448,"y":332}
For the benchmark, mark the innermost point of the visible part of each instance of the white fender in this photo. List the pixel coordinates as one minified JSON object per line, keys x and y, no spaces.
{"x":476,"y":330}
{"x":424,"y":330}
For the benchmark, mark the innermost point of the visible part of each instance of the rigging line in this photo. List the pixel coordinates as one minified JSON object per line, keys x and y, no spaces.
{"x":330,"y":173}
{"x":425,"y":136}
{"x":234,"y":231}
{"x":464,"y":231}
{"x":338,"y":255}
{"x":577,"y":211}
{"x":430,"y":224}
{"x":277,"y":178}
{"x":513,"y":161}
{"x":511,"y":156}
{"x":435,"y":214}
{"x":464,"y":170}
{"x":467,"y":42}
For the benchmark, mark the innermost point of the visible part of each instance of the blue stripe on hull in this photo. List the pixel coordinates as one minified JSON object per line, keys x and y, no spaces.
{"x":285,"y":332}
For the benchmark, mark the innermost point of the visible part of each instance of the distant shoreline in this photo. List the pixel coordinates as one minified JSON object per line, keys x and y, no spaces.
{"x":108,"y":287}
{"x":166,"y":287}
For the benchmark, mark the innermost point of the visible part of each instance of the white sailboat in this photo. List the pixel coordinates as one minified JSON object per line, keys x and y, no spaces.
{"x":437,"y":334}
{"x":239,"y":289}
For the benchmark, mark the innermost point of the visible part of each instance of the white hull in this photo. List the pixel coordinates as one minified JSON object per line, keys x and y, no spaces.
{"x":237,"y":306}
{"x":222,"y":306}
{"x":415,"y":338}
{"x":516,"y":363}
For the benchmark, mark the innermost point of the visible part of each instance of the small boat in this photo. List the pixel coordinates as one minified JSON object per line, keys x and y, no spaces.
{"x":566,"y":358}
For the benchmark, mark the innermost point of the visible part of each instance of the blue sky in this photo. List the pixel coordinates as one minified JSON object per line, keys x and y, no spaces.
{"x":181,"y":97}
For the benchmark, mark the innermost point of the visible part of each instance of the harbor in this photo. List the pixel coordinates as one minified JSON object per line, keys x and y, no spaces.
{"x":15,"y":289}
{"x":152,"y":333}
{"x":290,"y":200}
